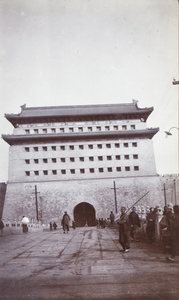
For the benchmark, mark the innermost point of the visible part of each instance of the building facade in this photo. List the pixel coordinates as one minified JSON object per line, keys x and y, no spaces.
{"x":87,"y":160}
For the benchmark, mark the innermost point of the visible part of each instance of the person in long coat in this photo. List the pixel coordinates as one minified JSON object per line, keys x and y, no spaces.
{"x":135,"y":224}
{"x":66,"y":222}
{"x":124,"y":230}
{"x":1,"y":227}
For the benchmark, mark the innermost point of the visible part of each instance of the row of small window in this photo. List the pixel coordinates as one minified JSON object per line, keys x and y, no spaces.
{"x":72,"y":147}
{"x":82,"y":171}
{"x":72,"y":159}
{"x":79,"y":129}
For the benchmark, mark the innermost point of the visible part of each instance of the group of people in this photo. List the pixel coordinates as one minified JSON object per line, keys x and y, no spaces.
{"x":169,"y":227}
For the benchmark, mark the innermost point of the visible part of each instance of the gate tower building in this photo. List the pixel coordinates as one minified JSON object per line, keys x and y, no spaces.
{"x":76,"y":159}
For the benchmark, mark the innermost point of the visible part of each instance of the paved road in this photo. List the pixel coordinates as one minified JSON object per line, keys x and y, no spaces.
{"x":85,"y":264}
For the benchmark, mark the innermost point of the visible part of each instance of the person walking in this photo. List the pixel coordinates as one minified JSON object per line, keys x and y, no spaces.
{"x":51,"y":226}
{"x":135,"y":224}
{"x":1,"y":227}
{"x":112,"y":217}
{"x":150,"y":229}
{"x":66,"y":222}
{"x":124,"y":230}
{"x":54,"y":226}
{"x":25,"y":221}
{"x":174,"y":227}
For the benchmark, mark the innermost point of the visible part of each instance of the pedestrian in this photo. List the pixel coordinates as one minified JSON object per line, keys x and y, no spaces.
{"x":51,"y":226}
{"x":25,"y":221}
{"x":54,"y":226}
{"x":174,"y":227}
{"x":112,"y":217}
{"x":73,"y":225}
{"x":66,"y":222}
{"x":150,"y":229}
{"x":135,"y":224}
{"x":124,"y":230}
{"x":1,"y":227}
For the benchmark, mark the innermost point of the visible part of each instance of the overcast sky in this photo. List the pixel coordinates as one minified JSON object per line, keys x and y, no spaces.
{"x":67,"y":52}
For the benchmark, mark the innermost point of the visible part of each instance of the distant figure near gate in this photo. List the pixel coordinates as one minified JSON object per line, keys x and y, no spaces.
{"x":135,"y":224}
{"x":112,"y":217}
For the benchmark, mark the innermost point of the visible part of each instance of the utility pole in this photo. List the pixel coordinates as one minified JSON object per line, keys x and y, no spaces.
{"x":115,"y":198}
{"x":36,"y":203}
{"x":164,"y":189}
{"x":174,"y":187}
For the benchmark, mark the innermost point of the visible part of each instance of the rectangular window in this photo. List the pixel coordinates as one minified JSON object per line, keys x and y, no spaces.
{"x":53,"y":148}
{"x":53,"y":130}
{"x":100,"y":158}
{"x":99,"y":146}
{"x":72,"y":171}
{"x":115,"y":127}
{"x":118,"y":157}
{"x":72,"y":159}
{"x":44,"y":148}
{"x":134,"y":144}
{"x":98,"y":128}
{"x":132,"y":126}
{"x":82,"y":171}
{"x":27,"y":173}
{"x":36,"y":161}
{"x":63,"y":172}
{"x":106,"y":128}
{"x":80,"y":129}
{"x":109,"y":157}
{"x":124,"y":127}
{"x":117,"y":145}
{"x":101,"y":170}
{"x":90,"y":146}
{"x":127,"y":168}
{"x":136,"y":168}
{"x":126,"y":156}
{"x":135,"y":156}
{"x":91,"y":158}
{"x":118,"y":169}
{"x":45,"y":160}
{"x":81,"y":158}
{"x":81,"y":147}
{"x":44,"y":130}
{"x":54,"y":160}
{"x":62,"y":147}
{"x":36,"y":149}
{"x":27,"y":149}
{"x":71,"y":147}
{"x":71,"y":129}
{"x":36,"y":173}
{"x":62,"y":159}
{"x":54,"y":172}
{"x":89,"y":129}
{"x":27,"y":131}
{"x":126,"y":145}
{"x":109,"y":169}
{"x":91,"y":170}
{"x":36,"y":131}
{"x":27,"y":161}
{"x":45,"y":172}
{"x":62,"y":130}
{"x":108,"y":145}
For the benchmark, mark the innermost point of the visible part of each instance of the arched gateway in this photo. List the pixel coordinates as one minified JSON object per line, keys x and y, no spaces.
{"x":84,"y":213}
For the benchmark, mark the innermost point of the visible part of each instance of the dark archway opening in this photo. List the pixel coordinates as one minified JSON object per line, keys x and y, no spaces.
{"x":84,"y":213}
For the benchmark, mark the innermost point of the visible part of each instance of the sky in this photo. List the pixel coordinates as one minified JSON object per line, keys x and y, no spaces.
{"x":73,"y":52}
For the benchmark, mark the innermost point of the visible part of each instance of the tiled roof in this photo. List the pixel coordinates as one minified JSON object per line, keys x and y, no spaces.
{"x":75,"y":112}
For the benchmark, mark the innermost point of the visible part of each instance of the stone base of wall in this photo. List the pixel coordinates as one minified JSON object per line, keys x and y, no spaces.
{"x":54,"y":198}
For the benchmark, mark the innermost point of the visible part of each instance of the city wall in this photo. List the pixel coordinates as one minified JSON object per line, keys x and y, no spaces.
{"x":53,"y":198}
